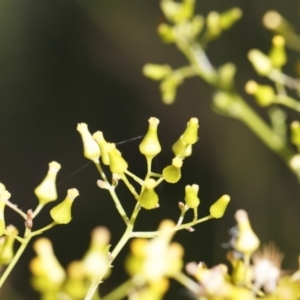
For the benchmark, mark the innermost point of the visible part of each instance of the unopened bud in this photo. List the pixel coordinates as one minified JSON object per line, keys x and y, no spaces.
{"x":117,"y":163}
{"x":191,"y":196}
{"x":150,"y":145}
{"x":230,"y":17}
{"x":172,"y":173}
{"x":61,"y":213}
{"x":264,"y":94}
{"x":148,"y":198}
{"x":190,"y":135}
{"x":261,"y":62}
{"x":91,"y":149}
{"x":218,"y":209}
{"x":277,"y":54}
{"x":98,"y":137}
{"x":46,"y":191}
{"x":156,"y":72}
{"x":295,"y":133}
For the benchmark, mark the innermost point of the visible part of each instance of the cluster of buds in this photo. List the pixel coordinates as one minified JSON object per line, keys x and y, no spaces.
{"x":154,"y":261}
{"x":256,"y":273}
{"x":53,"y":282}
{"x":185,"y":29}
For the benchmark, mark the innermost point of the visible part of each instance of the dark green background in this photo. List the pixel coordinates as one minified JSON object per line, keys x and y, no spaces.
{"x":65,"y":62}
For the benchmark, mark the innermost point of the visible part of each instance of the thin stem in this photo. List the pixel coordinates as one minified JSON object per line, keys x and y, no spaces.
{"x":129,"y":186}
{"x":288,"y":102}
{"x":113,"y":194}
{"x":16,"y":257}
{"x":134,"y":177}
{"x":16,"y":209}
{"x":126,"y":236}
{"x":183,"y":212}
{"x":21,"y":240}
{"x":152,"y":234}
{"x":187,"y":282}
{"x":40,"y":231}
{"x":37,"y":210}
{"x":120,"y":292}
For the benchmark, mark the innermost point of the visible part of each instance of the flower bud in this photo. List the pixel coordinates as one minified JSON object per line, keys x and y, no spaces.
{"x":230,"y":17}
{"x":213,"y":24}
{"x":47,"y":271}
{"x":190,"y":135}
{"x":261,"y":62}
{"x":191,"y":196}
{"x":172,"y":173}
{"x":226,"y":75}
{"x":46,"y":191}
{"x":117,"y":163}
{"x":156,"y":72}
{"x":181,"y":149}
{"x":96,"y":260}
{"x":4,"y":196}
{"x":295,"y":163}
{"x":247,"y":242}
{"x":7,"y":249}
{"x":277,"y":54}
{"x":168,"y":87}
{"x":197,"y":25}
{"x":178,"y":12}
{"x":295,"y":133}
{"x":166,"y":33}
{"x":150,"y":145}
{"x":99,"y":138}
{"x":91,"y":149}
{"x":217,"y":210}
{"x":61,"y":213}
{"x":148,"y":199}
{"x":264,"y":94}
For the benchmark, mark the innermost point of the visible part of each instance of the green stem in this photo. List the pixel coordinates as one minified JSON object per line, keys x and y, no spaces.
{"x":129,"y":186}
{"x":126,"y":236}
{"x":113,"y":194}
{"x":137,"y":179}
{"x":40,"y":231}
{"x":151,"y":234}
{"x":120,"y":292}
{"x":16,"y":209}
{"x":187,"y":282}
{"x":37,"y":210}
{"x":15,"y":258}
{"x":288,"y":102}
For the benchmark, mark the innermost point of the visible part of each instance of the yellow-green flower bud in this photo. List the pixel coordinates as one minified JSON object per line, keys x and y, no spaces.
{"x":166,"y":33}
{"x":264,"y":94}
{"x":61,"y":213}
{"x":46,"y":191}
{"x":277,"y":54}
{"x":150,"y":145}
{"x":46,"y":267}
{"x":2,"y":187}
{"x":96,"y":260}
{"x":7,"y":249}
{"x":181,"y":149}
{"x":91,"y":149}
{"x":247,"y":242}
{"x":190,"y":135}
{"x":217,"y":210}
{"x":213,"y":24}
{"x":226,"y":75}
{"x":229,"y":17}
{"x":99,"y":138}
{"x":295,"y":133}
{"x":197,"y":25}
{"x":295,"y":163}
{"x":178,"y":12}
{"x":169,"y":85}
{"x":191,"y":196}
{"x":117,"y":163}
{"x":172,"y":173}
{"x":261,"y":62}
{"x":148,"y":199}
{"x":4,"y":196}
{"x":156,"y":72}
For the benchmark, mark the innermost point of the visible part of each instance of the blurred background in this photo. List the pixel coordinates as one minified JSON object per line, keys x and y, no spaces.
{"x":65,"y":62}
